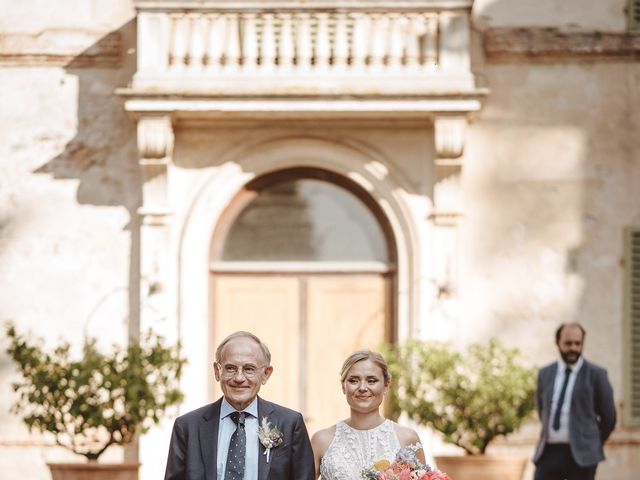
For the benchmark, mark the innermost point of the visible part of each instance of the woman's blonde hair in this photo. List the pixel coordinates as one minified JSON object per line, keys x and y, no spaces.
{"x":359,"y":356}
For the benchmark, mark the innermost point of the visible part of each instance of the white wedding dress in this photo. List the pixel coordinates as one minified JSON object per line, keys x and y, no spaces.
{"x":353,"y":450}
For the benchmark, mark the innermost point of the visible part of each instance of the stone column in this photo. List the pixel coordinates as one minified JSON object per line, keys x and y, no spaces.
{"x":155,"y":147}
{"x":447,"y":198}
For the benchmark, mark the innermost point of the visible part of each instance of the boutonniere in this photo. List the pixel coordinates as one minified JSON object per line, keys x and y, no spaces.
{"x":270,"y":437}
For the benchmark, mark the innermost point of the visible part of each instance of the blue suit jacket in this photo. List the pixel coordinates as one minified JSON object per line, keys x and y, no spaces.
{"x":193,"y":450}
{"x":593,"y":412}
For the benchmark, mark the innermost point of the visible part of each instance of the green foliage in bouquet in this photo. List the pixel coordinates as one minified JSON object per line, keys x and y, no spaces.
{"x":97,"y":401}
{"x":471,"y":397}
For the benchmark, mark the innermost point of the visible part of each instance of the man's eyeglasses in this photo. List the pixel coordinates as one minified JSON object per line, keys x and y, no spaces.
{"x":229,"y":370}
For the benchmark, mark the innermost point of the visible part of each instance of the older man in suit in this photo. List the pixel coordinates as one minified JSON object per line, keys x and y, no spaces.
{"x":577,"y":411}
{"x":230,"y":439}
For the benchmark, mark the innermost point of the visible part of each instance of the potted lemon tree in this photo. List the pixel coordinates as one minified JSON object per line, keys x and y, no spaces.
{"x":95,"y":401}
{"x":471,"y":398}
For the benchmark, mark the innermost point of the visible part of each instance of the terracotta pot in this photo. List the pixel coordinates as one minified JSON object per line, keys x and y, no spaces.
{"x":94,"y":471}
{"x":474,"y":467}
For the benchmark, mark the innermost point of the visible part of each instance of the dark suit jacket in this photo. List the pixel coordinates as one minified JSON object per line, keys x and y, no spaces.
{"x":593,"y":412}
{"x":193,"y":451}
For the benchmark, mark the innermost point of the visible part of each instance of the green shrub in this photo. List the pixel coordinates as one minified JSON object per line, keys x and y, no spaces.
{"x":471,"y":397}
{"x":99,"y":400}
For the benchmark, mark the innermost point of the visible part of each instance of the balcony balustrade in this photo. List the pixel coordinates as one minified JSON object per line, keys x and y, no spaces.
{"x":315,"y":49}
{"x":293,"y":42}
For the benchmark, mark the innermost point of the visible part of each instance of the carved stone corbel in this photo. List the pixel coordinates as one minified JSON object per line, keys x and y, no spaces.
{"x":449,"y":142}
{"x":449,"y":136}
{"x":155,"y":146}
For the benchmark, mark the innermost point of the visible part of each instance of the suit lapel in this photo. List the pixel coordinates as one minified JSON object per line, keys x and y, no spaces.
{"x":549,"y":394}
{"x":208,"y":432}
{"x":580,"y":381}
{"x":265,"y":409}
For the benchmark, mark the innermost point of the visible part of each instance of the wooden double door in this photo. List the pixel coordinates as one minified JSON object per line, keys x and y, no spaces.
{"x":311,"y":323}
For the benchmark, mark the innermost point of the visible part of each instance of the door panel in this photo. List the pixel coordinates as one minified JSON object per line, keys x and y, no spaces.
{"x":269,"y":308}
{"x":345,"y":313}
{"x":311,"y":323}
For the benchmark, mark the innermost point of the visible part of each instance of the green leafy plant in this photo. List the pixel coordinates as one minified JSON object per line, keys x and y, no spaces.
{"x":99,"y":400}
{"x":471,"y":397}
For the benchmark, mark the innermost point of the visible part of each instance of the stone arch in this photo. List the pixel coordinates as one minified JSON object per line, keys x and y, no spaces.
{"x":363,"y":166}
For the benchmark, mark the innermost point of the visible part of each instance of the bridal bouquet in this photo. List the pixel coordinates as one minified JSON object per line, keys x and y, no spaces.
{"x":406,"y":466}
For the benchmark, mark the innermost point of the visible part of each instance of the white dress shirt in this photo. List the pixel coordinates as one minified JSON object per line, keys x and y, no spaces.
{"x":225,"y":431}
{"x":562,"y":434}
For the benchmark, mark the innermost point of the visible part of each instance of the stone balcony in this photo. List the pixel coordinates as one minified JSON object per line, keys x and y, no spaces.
{"x":319,"y":57}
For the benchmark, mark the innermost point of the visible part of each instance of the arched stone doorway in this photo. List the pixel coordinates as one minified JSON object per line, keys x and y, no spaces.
{"x":306,"y":259}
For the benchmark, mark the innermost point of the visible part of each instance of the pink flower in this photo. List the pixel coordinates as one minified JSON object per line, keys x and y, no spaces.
{"x":405,"y":474}
{"x":403,"y":468}
{"x":386,"y":475}
{"x":435,"y":475}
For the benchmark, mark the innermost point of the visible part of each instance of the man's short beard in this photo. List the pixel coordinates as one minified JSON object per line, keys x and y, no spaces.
{"x":569,"y":360}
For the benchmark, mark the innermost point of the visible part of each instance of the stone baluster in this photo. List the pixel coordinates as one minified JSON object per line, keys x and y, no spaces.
{"x":378,"y":37}
{"x":341,"y":42}
{"x":359,"y":47}
{"x":412,"y":45}
{"x":431,"y":47}
{"x":322,"y":46}
{"x":179,"y":42}
{"x":396,"y":46}
{"x":286,"y":50}
{"x":421,"y":33}
{"x":198,"y":28}
{"x":215,"y":42}
{"x":232,"y":42}
{"x":249,"y":41}
{"x":268,"y":47}
{"x":303,"y":41}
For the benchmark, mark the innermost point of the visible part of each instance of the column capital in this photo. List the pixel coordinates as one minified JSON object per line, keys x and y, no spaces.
{"x":155,"y":147}
{"x":155,"y":138}
{"x":449,"y":136}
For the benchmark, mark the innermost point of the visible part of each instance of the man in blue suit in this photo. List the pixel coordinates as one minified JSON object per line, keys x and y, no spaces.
{"x":576,"y":407}
{"x":240,"y":436}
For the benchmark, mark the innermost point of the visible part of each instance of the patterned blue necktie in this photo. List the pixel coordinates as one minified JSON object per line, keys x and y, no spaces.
{"x":237,"y":449}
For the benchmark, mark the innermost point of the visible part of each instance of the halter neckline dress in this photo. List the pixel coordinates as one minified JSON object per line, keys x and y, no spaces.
{"x":353,"y":450}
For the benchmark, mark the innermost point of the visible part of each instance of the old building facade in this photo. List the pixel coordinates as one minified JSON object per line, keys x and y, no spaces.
{"x":329,"y":174}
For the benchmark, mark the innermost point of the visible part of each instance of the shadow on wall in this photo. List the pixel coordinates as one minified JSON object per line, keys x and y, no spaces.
{"x":552,"y":194}
{"x":103,"y":153}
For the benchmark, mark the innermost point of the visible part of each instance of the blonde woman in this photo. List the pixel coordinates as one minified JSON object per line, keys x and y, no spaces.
{"x":343,"y":450}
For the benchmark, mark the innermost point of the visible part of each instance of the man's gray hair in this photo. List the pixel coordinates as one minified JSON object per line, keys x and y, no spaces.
{"x":241,"y":334}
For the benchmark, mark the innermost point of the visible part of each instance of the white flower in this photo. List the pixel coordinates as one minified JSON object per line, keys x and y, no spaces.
{"x":270,"y":437}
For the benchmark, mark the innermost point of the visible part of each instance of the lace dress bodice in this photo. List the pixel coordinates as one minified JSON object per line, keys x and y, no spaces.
{"x":352,"y":450}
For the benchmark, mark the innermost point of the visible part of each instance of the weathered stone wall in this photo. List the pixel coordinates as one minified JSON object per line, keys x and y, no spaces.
{"x":573,"y":14}
{"x":552,"y":167}
{"x":550,"y":178}
{"x":69,"y":187}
